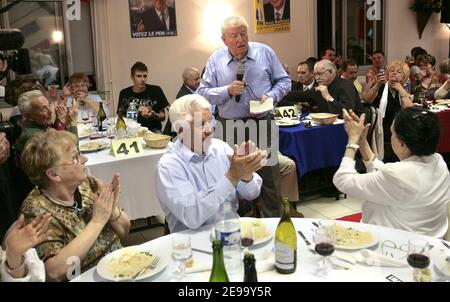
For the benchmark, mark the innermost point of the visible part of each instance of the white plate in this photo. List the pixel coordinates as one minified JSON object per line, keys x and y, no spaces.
{"x":93,"y":145}
{"x":84,"y":134}
{"x":286,"y":122}
{"x":439,"y":259}
{"x":267,"y":238}
{"x":102,"y":266}
{"x":359,"y":246}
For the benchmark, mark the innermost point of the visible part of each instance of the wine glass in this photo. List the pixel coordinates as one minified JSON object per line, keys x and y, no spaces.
{"x":181,"y":252}
{"x":325,"y":239}
{"x":419,"y":259}
{"x":85,"y":116}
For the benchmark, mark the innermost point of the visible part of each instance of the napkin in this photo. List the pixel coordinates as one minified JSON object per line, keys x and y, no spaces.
{"x":256,"y":106}
{"x":376,"y":259}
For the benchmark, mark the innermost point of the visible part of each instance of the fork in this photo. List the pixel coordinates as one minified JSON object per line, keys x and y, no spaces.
{"x":152,"y":265}
{"x":445,"y":244}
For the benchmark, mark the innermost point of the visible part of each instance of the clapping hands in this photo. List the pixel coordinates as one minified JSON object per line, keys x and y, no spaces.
{"x":246,"y":160}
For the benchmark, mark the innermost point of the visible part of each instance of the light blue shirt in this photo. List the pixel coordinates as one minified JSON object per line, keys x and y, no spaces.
{"x":192,"y":188}
{"x":263,"y":74}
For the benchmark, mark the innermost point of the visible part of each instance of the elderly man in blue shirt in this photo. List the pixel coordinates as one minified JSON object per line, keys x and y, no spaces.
{"x":198,"y":174}
{"x":263,"y":77}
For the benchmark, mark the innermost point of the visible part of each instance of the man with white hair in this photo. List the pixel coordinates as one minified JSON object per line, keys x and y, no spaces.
{"x":191,"y":80}
{"x":198,"y":174}
{"x":263,"y":78}
{"x":37,"y":117}
{"x":336,"y":93}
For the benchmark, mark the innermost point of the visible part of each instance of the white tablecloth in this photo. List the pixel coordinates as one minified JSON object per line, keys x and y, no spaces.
{"x":306,"y":261}
{"x":137,"y":179}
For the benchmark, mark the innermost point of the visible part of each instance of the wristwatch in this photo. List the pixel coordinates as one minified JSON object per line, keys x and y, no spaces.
{"x":352,"y":146}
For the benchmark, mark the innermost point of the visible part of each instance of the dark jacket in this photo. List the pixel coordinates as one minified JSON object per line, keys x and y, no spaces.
{"x":269,"y":15}
{"x":152,"y":22}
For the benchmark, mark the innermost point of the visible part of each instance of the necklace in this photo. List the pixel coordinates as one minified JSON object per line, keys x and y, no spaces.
{"x":75,"y":206}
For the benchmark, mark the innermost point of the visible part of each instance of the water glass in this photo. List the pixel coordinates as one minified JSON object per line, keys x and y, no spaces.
{"x":181,"y":252}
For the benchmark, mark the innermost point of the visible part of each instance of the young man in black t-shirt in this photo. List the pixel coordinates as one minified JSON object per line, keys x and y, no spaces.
{"x":150,"y":99}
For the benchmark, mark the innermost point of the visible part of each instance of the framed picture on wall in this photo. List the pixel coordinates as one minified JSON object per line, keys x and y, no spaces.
{"x":152,"y":18}
{"x":272,"y":16}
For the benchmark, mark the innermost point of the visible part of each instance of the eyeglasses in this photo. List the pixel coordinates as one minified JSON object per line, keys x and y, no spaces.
{"x":76,"y":159}
{"x":321,"y":73}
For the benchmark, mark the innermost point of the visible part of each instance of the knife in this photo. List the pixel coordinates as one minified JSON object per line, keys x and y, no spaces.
{"x":308,"y":244}
{"x":207,"y":252}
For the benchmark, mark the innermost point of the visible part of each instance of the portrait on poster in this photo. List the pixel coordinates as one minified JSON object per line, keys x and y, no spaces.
{"x":272,"y":16}
{"x":152,"y":18}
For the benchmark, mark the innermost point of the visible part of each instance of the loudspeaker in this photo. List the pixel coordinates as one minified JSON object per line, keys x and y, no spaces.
{"x":445,"y":11}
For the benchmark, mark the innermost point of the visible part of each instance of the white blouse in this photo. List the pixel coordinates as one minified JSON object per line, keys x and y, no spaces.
{"x":410,"y":195}
{"x":35,"y":268}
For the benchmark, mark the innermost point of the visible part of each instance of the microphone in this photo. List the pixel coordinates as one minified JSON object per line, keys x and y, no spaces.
{"x":11,"y":39}
{"x":239,"y":77}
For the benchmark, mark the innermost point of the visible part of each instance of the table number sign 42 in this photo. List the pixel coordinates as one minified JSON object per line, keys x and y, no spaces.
{"x":126,"y":147}
{"x":288,"y":111}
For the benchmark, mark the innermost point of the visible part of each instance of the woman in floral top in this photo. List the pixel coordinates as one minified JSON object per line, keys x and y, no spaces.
{"x":86,"y":222}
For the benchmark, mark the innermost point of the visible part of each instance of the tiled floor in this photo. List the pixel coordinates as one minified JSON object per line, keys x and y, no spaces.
{"x":314,"y":207}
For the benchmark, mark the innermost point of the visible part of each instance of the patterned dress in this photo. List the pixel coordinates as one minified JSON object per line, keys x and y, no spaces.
{"x":68,"y":222}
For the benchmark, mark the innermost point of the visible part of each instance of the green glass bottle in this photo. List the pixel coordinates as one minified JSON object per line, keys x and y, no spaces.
{"x":218,"y":273}
{"x":121,"y":127}
{"x":285,"y":243}
{"x":417,"y":90}
{"x":249,"y":268}
{"x":101,"y":115}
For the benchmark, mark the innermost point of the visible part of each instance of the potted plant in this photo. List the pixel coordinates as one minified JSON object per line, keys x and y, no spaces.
{"x":424,"y":9}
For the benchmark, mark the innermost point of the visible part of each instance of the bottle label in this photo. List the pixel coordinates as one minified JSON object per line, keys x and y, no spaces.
{"x":284,"y":256}
{"x":132,"y":115}
{"x":229,"y":238}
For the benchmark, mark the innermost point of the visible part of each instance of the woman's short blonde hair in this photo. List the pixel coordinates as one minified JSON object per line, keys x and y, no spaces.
{"x":44,"y":151}
{"x":401,"y":65}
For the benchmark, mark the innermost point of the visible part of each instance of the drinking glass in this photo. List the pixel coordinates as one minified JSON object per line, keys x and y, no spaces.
{"x":85,"y":116}
{"x":419,"y":259}
{"x":181,"y":252}
{"x":325,"y":239}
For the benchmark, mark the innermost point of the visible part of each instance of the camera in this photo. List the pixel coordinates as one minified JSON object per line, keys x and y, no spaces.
{"x":11,"y":52}
{"x":11,"y":130}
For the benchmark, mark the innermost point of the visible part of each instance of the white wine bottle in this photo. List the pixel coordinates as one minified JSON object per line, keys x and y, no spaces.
{"x":121,"y":127}
{"x":285,"y":243}
{"x":101,"y":116}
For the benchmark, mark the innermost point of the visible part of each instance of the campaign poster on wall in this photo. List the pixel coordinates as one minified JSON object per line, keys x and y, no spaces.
{"x":272,"y":16}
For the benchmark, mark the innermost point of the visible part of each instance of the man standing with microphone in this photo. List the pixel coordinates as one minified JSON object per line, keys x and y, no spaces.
{"x":236,"y":74}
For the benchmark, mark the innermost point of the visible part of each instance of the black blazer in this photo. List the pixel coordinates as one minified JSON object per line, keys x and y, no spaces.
{"x":183,"y":91}
{"x":152,"y":22}
{"x":269,"y":15}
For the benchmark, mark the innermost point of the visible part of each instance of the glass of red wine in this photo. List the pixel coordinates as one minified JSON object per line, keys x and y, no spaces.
{"x":419,"y":259}
{"x":324,"y":240}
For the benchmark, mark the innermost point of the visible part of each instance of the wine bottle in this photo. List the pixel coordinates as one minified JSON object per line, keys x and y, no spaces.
{"x":218,"y":273}
{"x":121,"y":127}
{"x":101,"y":115}
{"x":285,"y":243}
{"x":417,"y":90}
{"x":249,"y":268}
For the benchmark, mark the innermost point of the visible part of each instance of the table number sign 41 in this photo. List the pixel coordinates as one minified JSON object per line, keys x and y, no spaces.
{"x":126,"y":147}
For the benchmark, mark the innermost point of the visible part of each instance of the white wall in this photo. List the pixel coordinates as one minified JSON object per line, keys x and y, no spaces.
{"x":166,"y":57}
{"x":402,"y":33}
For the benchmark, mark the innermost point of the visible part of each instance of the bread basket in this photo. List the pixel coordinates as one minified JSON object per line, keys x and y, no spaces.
{"x":323,"y":118}
{"x":156,"y":141}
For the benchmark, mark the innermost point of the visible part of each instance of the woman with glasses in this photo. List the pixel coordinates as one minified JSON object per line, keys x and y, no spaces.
{"x":86,"y":221}
{"x":411,"y":194}
{"x":388,"y":94}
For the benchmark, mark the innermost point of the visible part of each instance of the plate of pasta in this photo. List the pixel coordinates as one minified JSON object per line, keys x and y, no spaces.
{"x":123,"y":264}
{"x":93,"y":146}
{"x":351,"y":238}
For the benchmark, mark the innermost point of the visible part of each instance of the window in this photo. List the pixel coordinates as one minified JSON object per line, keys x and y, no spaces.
{"x":344,"y":25}
{"x":57,"y":47}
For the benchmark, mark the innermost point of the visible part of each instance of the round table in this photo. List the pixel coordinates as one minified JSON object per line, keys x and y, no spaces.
{"x":307,"y":262}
